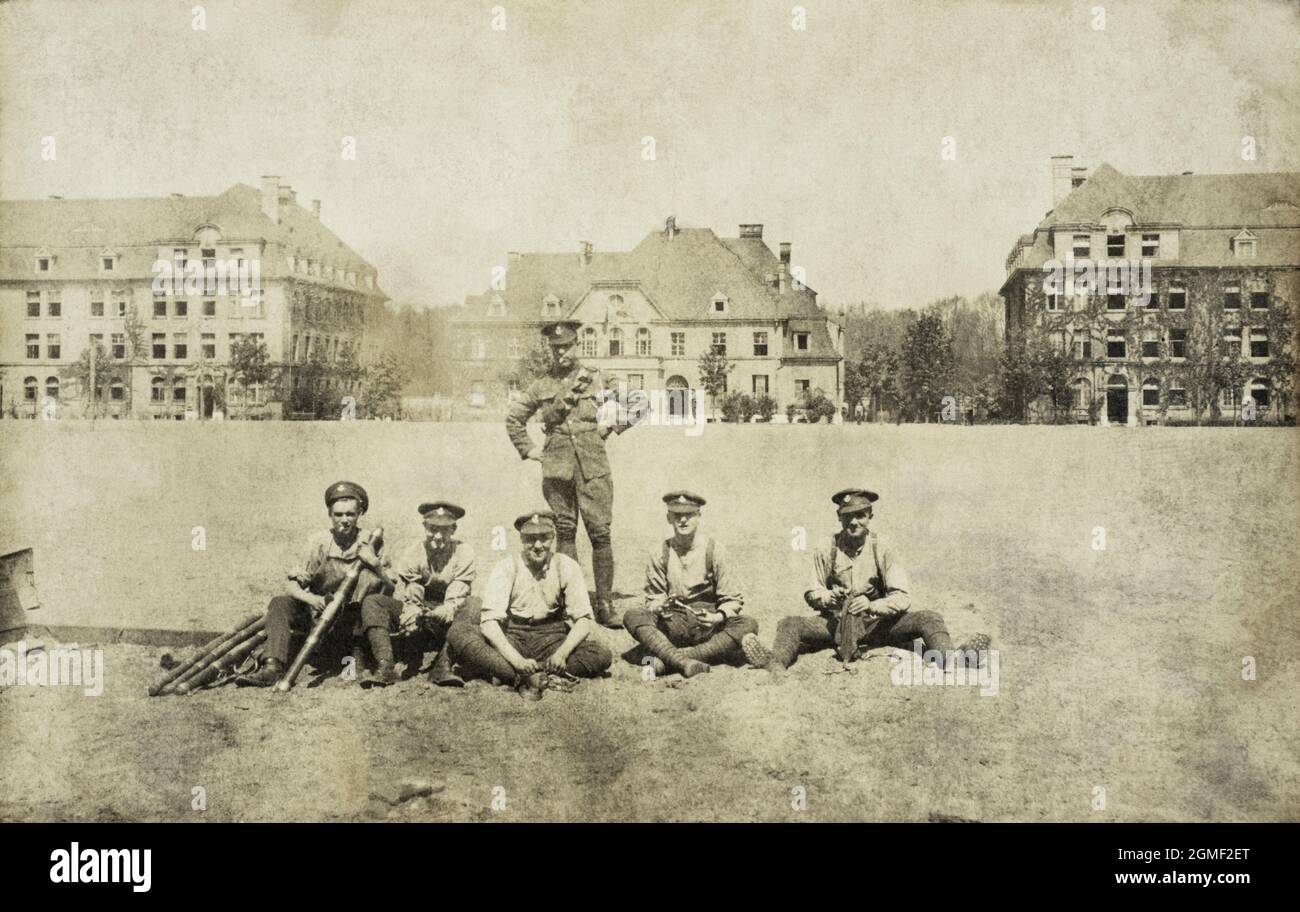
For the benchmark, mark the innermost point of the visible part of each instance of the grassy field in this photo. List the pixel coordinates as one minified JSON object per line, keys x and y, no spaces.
{"x":1120,"y":668}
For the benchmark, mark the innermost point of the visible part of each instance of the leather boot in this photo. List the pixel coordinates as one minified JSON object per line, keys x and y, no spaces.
{"x":383,"y":675}
{"x":531,"y":687}
{"x":441,"y":673}
{"x":270,"y":672}
{"x":606,"y":615}
{"x":658,"y":645}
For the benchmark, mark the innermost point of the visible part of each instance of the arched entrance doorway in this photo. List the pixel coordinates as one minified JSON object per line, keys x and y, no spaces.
{"x":678,"y":394}
{"x":1117,"y":399}
{"x":207,"y":399}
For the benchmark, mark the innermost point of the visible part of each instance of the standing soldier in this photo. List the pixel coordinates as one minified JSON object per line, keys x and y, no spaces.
{"x":860,"y":592}
{"x":536,"y":617}
{"x":691,"y":617}
{"x":434,"y":578}
{"x":329,"y":556}
{"x":576,"y":479}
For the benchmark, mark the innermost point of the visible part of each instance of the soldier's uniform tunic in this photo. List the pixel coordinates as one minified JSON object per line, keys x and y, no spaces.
{"x":576,"y":479}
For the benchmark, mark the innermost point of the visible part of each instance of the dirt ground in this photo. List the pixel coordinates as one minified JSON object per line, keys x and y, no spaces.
{"x":1120,"y":668}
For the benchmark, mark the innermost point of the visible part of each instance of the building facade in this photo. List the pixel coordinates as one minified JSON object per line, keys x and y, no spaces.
{"x":648,"y":314}
{"x":1173,"y":296}
{"x":160,"y":289}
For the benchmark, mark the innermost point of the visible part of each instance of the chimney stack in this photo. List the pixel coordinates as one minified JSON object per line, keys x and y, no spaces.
{"x":584,"y":252}
{"x":1078,"y":174}
{"x":783,"y":277}
{"x":785,"y":253}
{"x":1062,"y":168}
{"x":271,"y":197}
{"x":315,"y":209}
{"x":751,"y":231}
{"x":288,"y":194}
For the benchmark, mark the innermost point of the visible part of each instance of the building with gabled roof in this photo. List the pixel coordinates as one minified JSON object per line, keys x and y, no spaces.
{"x":1196,"y":318}
{"x":77,"y":274}
{"x":649,"y":313}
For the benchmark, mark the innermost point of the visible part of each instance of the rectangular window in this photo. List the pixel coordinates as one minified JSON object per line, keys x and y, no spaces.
{"x":1150,"y":344}
{"x":119,"y":345}
{"x":33,"y":346}
{"x":180,"y":346}
{"x":643,"y":343}
{"x":1258,"y":342}
{"x":1177,"y":342}
{"x":801,"y":341}
{"x":1153,"y":302}
{"x":294,"y":350}
{"x":760,"y":344}
{"x":159,"y":346}
{"x":209,"y":308}
{"x":1150,"y":395}
{"x":679,"y":345}
{"x":209,"y":346}
{"x":106,"y":263}
{"x":1116,"y":346}
{"x":160,"y":307}
{"x":1177,"y":299}
{"x":1150,"y":246}
{"x":720,"y":343}
{"x":1115,"y":245}
{"x":759,"y":384}
{"x":96,"y":305}
{"x":1230,"y":347}
{"x":1083,"y":348}
{"x":209,"y":270}
{"x":615,"y":344}
{"x":33,"y":303}
{"x":178,"y":392}
{"x":119,"y":303}
{"x":55,"y":308}
{"x":1232,"y":298}
{"x":1259,"y":300}
{"x":1115,"y":301}
{"x":802,"y":388}
{"x":1177,"y":397}
{"x":635,"y":381}
{"x":182,"y":308}
{"x":97,"y":340}
{"x":53,"y":345}
{"x":1054,"y":301}
{"x":1244,"y":248}
{"x":42,"y":264}
{"x":513,"y":349}
{"x":1081,"y":246}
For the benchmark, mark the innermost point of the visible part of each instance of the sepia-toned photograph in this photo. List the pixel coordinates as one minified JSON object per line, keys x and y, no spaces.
{"x":693,"y":411}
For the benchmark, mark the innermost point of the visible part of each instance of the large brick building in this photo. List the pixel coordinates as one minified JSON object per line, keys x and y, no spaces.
{"x":1221,"y":255}
{"x":81,"y":273}
{"x":649,"y":313}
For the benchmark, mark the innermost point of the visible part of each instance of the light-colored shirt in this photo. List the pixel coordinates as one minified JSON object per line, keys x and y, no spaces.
{"x":326,"y":563}
{"x":436,"y":577}
{"x":687,"y":571}
{"x":557,"y":591}
{"x":836,"y":565}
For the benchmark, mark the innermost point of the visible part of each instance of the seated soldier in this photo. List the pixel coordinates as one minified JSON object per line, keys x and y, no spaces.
{"x":312,"y":584}
{"x":434,"y":578}
{"x":536,"y":617}
{"x":691,"y":617}
{"x":859,"y":590}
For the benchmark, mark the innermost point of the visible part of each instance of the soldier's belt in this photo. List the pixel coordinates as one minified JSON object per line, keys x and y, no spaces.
{"x":514,"y":620}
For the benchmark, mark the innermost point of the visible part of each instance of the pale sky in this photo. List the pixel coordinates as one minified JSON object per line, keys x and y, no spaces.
{"x":471,"y":142}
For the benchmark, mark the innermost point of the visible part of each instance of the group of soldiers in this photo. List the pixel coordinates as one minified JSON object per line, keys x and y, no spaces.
{"x":535,"y":621}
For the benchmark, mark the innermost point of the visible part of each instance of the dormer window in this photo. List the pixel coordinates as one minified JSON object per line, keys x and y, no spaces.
{"x":551,"y":307}
{"x":497,"y":306}
{"x":44,"y":260}
{"x":1244,"y":245}
{"x":801,"y":341}
{"x":107,"y":261}
{"x":719,"y":304}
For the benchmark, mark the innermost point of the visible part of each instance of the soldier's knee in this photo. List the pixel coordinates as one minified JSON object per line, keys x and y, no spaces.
{"x":927,"y":618}
{"x":637,"y":617}
{"x":374,"y":611}
{"x":599,"y":534}
{"x":742,"y":625}
{"x":461,"y":634}
{"x":589,"y":660}
{"x":281,"y":606}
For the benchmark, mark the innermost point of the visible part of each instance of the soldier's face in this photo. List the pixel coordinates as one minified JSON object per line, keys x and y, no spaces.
{"x":855,"y":525}
{"x":438,"y":535}
{"x":538,"y":547}
{"x":343,"y":516}
{"x":684,"y":524}
{"x":562,"y":355}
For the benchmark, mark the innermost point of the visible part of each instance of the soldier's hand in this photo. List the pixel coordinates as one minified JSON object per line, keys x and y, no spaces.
{"x":528,"y":666}
{"x":555,"y":663}
{"x":535,"y":454}
{"x":443,"y":613}
{"x":859,"y":604}
{"x":410,"y":616}
{"x":317,"y":604}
